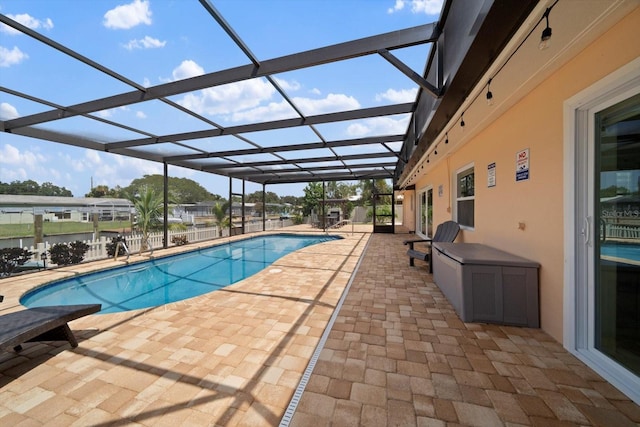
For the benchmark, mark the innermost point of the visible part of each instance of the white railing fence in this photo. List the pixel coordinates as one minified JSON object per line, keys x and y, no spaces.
{"x":618,"y":231}
{"x":98,"y":248}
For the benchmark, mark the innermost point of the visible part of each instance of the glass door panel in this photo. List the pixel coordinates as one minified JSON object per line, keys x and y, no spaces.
{"x":425,"y":213}
{"x":429,"y":215}
{"x":617,"y":224}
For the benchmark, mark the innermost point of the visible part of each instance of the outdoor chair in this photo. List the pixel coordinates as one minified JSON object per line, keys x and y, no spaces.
{"x":445,"y":232}
{"x":41,"y":324}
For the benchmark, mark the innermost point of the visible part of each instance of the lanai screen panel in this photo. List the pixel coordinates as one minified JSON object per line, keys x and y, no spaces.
{"x":216,"y":97}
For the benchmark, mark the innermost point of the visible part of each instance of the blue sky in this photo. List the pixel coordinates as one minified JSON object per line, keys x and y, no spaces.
{"x":156,"y":41}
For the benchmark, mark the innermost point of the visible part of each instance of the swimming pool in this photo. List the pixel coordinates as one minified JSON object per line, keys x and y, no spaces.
{"x":621,"y":251}
{"x":173,"y":278}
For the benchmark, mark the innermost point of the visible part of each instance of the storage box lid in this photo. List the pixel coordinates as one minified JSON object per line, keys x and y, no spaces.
{"x":479,"y":254}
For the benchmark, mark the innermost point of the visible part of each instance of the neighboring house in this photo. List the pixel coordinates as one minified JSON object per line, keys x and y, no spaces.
{"x":525,"y":173}
{"x":17,"y":209}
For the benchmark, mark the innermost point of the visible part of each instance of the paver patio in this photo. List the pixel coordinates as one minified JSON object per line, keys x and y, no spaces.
{"x":396,"y":355}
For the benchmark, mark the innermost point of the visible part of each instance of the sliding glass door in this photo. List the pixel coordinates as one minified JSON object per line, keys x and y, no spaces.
{"x":615,"y":262}
{"x":424,"y":221}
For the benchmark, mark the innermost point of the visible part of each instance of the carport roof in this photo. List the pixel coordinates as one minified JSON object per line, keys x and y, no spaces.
{"x":297,"y":146}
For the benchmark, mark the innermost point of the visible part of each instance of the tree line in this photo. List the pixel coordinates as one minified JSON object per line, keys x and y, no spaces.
{"x":32,"y":188}
{"x":187,"y":191}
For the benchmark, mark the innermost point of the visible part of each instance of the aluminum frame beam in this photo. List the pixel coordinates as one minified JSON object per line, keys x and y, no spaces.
{"x":353,"y":49}
{"x":294,"y":147}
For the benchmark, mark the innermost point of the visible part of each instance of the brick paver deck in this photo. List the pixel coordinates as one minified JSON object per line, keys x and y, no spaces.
{"x":397,"y":355}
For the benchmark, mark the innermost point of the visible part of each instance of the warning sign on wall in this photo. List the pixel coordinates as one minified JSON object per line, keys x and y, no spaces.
{"x":522,"y":165}
{"x":491,"y":175}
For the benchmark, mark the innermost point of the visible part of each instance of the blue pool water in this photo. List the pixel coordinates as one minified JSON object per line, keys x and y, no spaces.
{"x":174,"y":278}
{"x":626,"y":251}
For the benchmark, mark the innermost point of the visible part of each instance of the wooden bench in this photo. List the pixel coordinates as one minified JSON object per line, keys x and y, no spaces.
{"x":41,"y":324}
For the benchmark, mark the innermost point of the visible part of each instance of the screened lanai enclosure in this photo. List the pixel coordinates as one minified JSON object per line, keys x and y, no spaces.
{"x":438,"y":63}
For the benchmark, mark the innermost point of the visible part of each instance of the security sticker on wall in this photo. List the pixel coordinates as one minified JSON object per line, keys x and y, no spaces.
{"x":491,"y":175}
{"x":522,"y":165}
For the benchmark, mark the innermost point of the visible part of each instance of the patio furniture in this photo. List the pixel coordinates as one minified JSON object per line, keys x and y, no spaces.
{"x":445,"y":232}
{"x":484,"y":284}
{"x":41,"y":324}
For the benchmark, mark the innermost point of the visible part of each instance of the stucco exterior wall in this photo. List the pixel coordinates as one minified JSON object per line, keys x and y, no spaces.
{"x":526,"y":217}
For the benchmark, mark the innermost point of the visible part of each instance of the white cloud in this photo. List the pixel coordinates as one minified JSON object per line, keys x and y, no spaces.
{"x":230,"y":98}
{"x":8,"y":175}
{"x":8,"y":111}
{"x":55,"y":174}
{"x":11,"y":155}
{"x":310,"y":107}
{"x":331,"y":103}
{"x":105,"y":114}
{"x":398,"y":96}
{"x":250,"y":100}
{"x":11,"y":57}
{"x":378,"y":126}
{"x":128,"y":15}
{"x":93,"y":157}
{"x":187,"y":69}
{"x":28,"y":21}
{"x":126,"y":169}
{"x":315,"y":91}
{"x":428,"y":7}
{"x":141,"y":115}
{"x":146,"y":43}
{"x":271,"y":111}
{"x":288,"y":85}
{"x":399,"y":5}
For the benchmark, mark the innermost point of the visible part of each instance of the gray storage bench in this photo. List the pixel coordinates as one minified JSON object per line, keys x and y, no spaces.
{"x":484,"y":284}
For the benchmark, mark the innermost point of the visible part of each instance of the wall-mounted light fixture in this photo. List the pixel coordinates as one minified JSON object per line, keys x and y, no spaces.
{"x":489,"y":94}
{"x":462,"y":120}
{"x":545,"y":39}
{"x":446,"y":139}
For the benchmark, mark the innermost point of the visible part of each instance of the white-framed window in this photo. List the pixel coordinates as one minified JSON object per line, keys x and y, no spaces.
{"x":465,"y":196}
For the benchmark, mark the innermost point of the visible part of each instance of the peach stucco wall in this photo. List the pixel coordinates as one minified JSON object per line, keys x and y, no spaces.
{"x":526,"y":217}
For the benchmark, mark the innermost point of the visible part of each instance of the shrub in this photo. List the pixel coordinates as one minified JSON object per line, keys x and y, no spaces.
{"x":179,"y":240}
{"x":111,"y":246}
{"x":67,"y":254}
{"x":10,"y":258}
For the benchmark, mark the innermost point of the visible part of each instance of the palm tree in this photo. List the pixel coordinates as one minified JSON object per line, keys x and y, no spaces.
{"x":220,"y":212}
{"x":149,"y":209}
